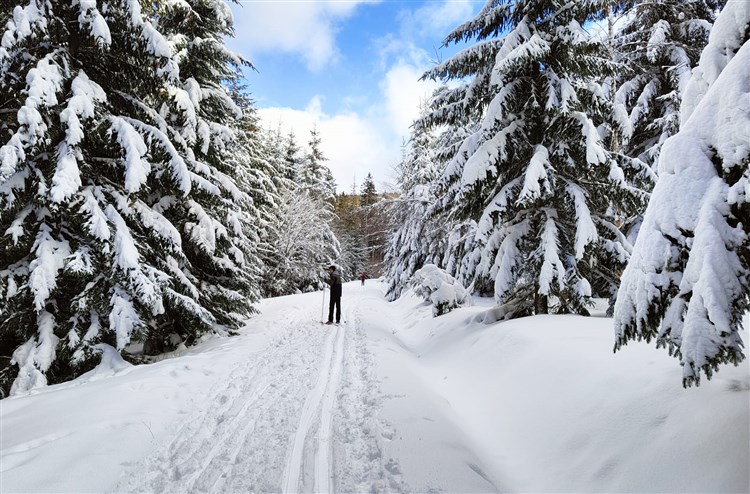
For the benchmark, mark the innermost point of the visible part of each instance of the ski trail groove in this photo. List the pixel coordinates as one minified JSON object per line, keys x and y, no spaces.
{"x":324,"y":475}
{"x":232,"y":440}
{"x":313,"y":403}
{"x":221,"y":443}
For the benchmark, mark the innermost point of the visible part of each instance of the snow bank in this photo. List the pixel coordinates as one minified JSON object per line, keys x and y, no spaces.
{"x":547,"y":406}
{"x":80,"y":436}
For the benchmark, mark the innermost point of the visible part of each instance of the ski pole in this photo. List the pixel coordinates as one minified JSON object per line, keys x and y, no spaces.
{"x":323,"y":309}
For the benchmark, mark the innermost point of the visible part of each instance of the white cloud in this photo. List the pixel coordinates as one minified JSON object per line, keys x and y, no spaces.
{"x":404,"y":62}
{"x":353,"y":144}
{"x":439,"y":17}
{"x":304,"y":28}
{"x":368,"y":141}
{"x":403,"y":93}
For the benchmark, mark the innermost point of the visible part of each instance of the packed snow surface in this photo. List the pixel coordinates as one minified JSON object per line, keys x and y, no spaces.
{"x":390,"y":400}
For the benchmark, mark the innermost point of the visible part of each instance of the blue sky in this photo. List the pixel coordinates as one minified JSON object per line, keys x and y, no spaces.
{"x":350,"y":68}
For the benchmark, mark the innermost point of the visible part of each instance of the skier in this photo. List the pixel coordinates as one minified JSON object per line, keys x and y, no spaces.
{"x":363,"y":277}
{"x":334,"y":279}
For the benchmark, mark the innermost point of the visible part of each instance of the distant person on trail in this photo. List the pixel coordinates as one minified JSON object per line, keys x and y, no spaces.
{"x":363,"y":277}
{"x":334,"y":279}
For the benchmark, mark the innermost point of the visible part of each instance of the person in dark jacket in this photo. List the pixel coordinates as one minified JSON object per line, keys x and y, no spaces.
{"x":363,"y":277}
{"x":334,"y":279}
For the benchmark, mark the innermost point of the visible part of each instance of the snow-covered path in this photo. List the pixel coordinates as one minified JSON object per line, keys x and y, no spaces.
{"x":270,"y":423}
{"x":392,"y":400}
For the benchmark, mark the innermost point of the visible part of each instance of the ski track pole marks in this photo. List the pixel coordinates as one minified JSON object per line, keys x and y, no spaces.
{"x":224,"y":442}
{"x":195,"y":446}
{"x":359,"y":450}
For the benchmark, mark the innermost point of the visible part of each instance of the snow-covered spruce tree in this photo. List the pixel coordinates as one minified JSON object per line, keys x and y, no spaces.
{"x":687,"y":284}
{"x":292,"y":157}
{"x":316,"y":177}
{"x":260,"y":173}
{"x":368,"y":193}
{"x":373,"y":224}
{"x":274,"y":149}
{"x":271,"y":153}
{"x":411,"y":242}
{"x":545,"y":192}
{"x":659,"y":44}
{"x":352,"y":255}
{"x":116,"y":223}
{"x":422,"y":232}
{"x":453,"y":241}
{"x":217,"y":222}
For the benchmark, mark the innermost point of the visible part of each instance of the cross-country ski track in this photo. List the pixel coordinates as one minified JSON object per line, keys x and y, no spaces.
{"x":271,"y":424}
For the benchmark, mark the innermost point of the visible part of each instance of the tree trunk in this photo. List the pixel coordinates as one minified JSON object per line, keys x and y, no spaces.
{"x":541,"y":304}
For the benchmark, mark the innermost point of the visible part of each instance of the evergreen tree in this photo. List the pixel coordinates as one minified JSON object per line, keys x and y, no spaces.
{"x":536,"y":177}
{"x":410,"y":245}
{"x":373,"y":225}
{"x":687,"y":282}
{"x":316,"y":177}
{"x":274,"y":152}
{"x":454,"y":241}
{"x":353,"y":254}
{"x":210,"y":123}
{"x":659,"y":44}
{"x":423,"y":233}
{"x":299,"y":241}
{"x":260,"y":173}
{"x":292,"y":157}
{"x":353,"y":257}
{"x":369,"y":194}
{"x":118,"y":216}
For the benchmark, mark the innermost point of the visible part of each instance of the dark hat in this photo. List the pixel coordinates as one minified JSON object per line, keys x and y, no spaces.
{"x":332,"y":268}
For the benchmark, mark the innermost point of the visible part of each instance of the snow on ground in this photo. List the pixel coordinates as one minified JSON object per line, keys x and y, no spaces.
{"x":390,"y":400}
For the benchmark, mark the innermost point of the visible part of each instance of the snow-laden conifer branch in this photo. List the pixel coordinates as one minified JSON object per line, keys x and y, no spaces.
{"x":687,"y":282}
{"x":508,"y":256}
{"x":91,"y":18}
{"x":155,"y":136}
{"x":43,"y":270}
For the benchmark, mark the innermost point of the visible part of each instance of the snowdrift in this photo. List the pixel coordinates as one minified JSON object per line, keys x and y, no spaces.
{"x":549,"y":407}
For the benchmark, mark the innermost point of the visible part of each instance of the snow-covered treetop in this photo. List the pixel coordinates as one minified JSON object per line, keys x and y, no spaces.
{"x":727,"y":36}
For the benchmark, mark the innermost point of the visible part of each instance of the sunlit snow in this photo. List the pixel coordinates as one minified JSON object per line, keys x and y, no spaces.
{"x":390,"y":400}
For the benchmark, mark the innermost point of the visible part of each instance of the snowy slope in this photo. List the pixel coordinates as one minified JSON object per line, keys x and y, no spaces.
{"x":391,"y":400}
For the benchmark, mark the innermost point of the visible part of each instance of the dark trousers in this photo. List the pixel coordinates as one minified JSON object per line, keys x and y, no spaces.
{"x":335,"y":302}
